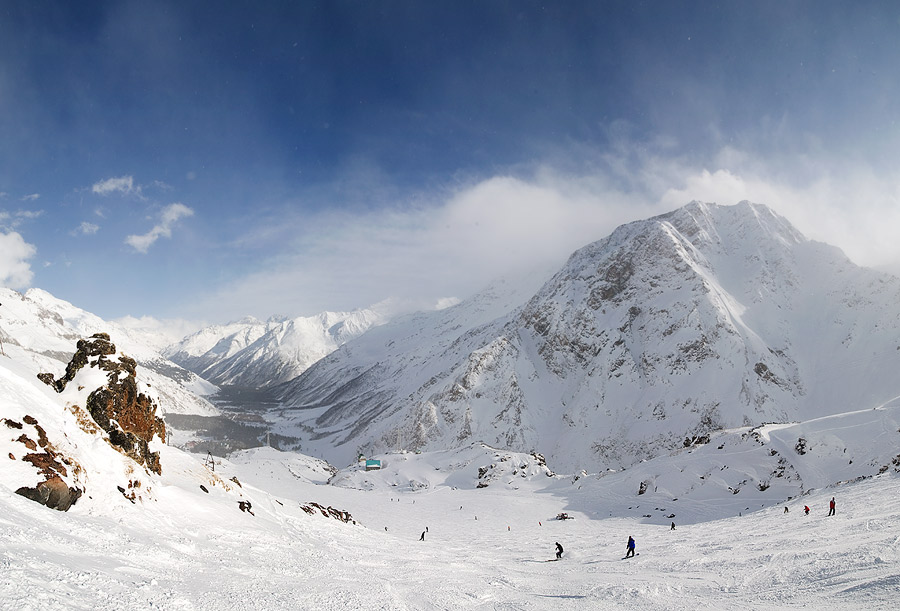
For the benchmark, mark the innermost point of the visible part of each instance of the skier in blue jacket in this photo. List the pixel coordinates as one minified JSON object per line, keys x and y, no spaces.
{"x":630,"y":552}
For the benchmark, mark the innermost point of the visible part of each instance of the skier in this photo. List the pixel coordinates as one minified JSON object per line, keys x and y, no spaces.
{"x":630,"y":552}
{"x":422,"y":538}
{"x":673,"y":526}
{"x":559,"y":550}
{"x":831,"y":507}
{"x":806,"y":509}
{"x":785,"y":510}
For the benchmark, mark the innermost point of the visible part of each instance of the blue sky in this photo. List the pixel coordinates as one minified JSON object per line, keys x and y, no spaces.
{"x":207,"y":160}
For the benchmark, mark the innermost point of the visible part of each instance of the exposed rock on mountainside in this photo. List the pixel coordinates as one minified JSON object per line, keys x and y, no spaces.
{"x":52,"y":465}
{"x":119,"y":408}
{"x":706,"y":318}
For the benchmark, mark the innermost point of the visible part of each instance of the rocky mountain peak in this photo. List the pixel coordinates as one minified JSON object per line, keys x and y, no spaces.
{"x":705,"y":318}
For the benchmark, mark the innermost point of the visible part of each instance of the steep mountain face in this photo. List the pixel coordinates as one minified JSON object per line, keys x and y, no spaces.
{"x":260,"y":354}
{"x":706,"y":318}
{"x":41,"y":331}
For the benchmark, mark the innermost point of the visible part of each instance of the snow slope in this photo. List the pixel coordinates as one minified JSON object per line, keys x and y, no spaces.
{"x":191,"y":550}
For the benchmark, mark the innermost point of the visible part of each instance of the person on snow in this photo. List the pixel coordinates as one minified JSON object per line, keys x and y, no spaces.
{"x":630,"y":549}
{"x":831,"y":507}
{"x":559,"y":550}
{"x":785,"y":510}
{"x":422,"y":538}
{"x":806,"y":509}
{"x":673,"y":526}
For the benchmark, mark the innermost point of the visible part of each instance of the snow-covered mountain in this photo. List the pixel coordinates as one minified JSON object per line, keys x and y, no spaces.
{"x":258,"y":354}
{"x":41,"y":331}
{"x":707,"y":318}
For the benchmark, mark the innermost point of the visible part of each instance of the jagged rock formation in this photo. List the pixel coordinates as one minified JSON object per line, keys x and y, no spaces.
{"x":328,"y":512}
{"x":119,"y":408}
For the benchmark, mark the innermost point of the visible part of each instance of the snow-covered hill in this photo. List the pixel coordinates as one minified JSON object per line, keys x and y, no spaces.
{"x":707,"y":318}
{"x":257,"y":354}
{"x":40,"y":331}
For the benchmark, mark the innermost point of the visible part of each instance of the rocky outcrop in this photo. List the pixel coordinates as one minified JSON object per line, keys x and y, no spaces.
{"x":127,"y":415}
{"x":53,"y":492}
{"x":328,"y":512}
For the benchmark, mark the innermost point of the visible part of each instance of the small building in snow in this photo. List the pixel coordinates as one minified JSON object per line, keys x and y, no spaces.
{"x":372,"y":464}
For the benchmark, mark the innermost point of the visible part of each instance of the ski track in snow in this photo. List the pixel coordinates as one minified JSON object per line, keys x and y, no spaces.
{"x":207,"y":555}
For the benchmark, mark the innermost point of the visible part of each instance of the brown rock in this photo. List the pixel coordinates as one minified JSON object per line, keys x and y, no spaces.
{"x":127,"y":415}
{"x":53,"y":493}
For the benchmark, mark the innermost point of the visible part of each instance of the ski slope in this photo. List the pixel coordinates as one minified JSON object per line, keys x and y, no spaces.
{"x":182,"y":548}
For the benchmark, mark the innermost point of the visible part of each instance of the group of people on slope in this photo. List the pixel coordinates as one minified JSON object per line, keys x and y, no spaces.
{"x":806,"y":509}
{"x":629,"y":549}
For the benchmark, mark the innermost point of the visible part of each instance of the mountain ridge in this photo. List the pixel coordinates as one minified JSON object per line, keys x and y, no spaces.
{"x":705,"y":318}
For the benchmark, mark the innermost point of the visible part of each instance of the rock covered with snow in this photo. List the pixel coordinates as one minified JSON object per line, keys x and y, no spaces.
{"x":126,"y":414}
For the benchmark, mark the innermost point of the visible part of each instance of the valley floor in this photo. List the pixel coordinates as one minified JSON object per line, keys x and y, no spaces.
{"x":484,"y":549}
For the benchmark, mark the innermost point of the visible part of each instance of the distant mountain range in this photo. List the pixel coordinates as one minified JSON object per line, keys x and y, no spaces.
{"x":707,"y":318}
{"x":252,"y":353}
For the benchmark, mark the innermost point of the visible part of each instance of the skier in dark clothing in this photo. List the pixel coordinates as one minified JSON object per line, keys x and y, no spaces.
{"x":422,"y":538}
{"x":831,"y":507}
{"x":559,"y":550}
{"x":673,"y":526}
{"x":630,"y":552}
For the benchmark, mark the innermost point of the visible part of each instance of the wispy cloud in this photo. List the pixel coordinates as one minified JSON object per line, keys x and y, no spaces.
{"x":11,"y":221}
{"x":31,"y":197}
{"x":170,"y":215}
{"x":15,"y":271}
{"x":455,"y":244}
{"x":86,"y":228}
{"x":124,"y":185}
{"x":29,"y":214}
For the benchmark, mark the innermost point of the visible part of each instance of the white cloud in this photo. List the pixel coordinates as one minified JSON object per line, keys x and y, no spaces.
{"x":15,"y":271}
{"x":86,"y":229}
{"x":31,"y":197}
{"x":163,"y":229}
{"x":12,"y":221}
{"x":454,"y":244}
{"x":124,"y":185}
{"x":29,"y":214}
{"x":172,"y":329}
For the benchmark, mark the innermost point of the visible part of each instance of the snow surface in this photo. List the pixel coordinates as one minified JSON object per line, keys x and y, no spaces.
{"x":180,"y":547}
